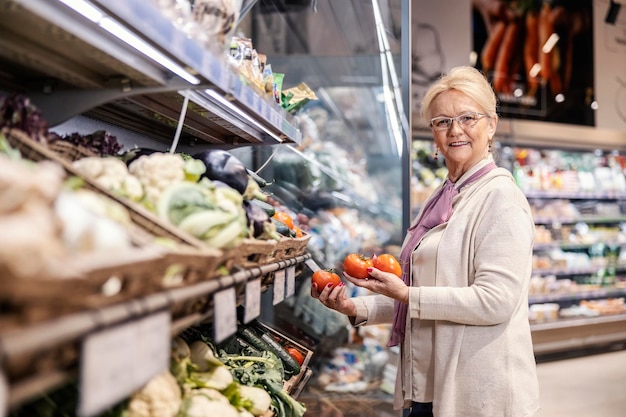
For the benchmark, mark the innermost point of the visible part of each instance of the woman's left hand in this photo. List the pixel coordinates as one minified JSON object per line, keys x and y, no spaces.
{"x":384,"y":283}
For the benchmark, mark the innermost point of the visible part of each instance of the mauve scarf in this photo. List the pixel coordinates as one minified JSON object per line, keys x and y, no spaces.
{"x":437,"y":211}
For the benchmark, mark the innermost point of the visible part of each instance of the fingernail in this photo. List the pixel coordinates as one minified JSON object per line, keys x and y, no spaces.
{"x":369,"y":269}
{"x":342,"y":284}
{"x":329,"y":285}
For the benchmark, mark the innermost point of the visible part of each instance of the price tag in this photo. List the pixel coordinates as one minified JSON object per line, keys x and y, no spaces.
{"x":155,"y":341}
{"x":4,"y":395}
{"x":118,"y":361}
{"x":279,"y":286}
{"x":291,"y":281}
{"x":313,"y":266}
{"x":253,"y":300}
{"x":224,"y":314}
{"x":275,"y":118}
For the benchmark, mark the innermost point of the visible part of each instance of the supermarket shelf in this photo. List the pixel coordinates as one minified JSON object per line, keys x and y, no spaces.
{"x":582,"y":219}
{"x":573,"y":246}
{"x":575,"y":195}
{"x":589,"y":270}
{"x":61,"y":337}
{"x":577,"y":296}
{"x":66,"y":58}
{"x":579,"y":333}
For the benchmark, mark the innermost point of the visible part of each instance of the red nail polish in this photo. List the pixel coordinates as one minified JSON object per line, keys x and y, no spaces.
{"x":369,"y":269}
{"x":329,"y":285}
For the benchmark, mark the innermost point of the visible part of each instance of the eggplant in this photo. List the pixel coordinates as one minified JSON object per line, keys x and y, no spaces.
{"x":223,"y":166}
{"x":268,"y":208}
{"x":259,"y":179}
{"x":259,"y":221}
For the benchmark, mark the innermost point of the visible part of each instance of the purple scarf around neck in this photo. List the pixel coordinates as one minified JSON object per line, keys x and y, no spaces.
{"x":437,"y":211}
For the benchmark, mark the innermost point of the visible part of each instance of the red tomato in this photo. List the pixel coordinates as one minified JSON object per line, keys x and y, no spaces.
{"x":296,"y":354}
{"x":388,"y":263}
{"x":323,"y":277}
{"x":356,"y":265}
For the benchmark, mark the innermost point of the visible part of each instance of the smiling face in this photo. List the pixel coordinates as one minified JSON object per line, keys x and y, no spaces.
{"x":461,"y":146}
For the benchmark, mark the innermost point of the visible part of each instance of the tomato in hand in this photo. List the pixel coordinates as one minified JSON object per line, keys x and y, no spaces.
{"x":323,"y":277}
{"x":388,"y":263}
{"x":356,"y":265}
{"x":296,"y":354}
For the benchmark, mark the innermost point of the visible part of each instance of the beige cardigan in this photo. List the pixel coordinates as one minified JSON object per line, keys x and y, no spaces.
{"x":483,"y":358}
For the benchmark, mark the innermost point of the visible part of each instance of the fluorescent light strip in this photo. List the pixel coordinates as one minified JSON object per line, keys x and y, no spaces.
{"x":85,"y":9}
{"x":107,"y":23}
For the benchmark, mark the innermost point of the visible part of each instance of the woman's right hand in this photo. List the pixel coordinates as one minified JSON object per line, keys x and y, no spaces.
{"x":335,"y":298}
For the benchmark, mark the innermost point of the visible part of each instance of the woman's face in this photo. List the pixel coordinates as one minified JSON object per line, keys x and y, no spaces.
{"x":462,"y":146}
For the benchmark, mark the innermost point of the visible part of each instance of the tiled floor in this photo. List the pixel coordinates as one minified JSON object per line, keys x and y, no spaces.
{"x":592,"y":386}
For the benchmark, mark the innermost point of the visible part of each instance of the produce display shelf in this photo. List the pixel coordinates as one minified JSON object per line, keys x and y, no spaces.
{"x":43,"y":355}
{"x":573,"y":246}
{"x":66,"y":58}
{"x":578,"y":333}
{"x":582,"y":219}
{"x":575,"y":195}
{"x":590,"y":270}
{"x":578,"y":295}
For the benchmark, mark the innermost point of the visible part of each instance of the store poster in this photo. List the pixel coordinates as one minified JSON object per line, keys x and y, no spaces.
{"x":610,"y":58}
{"x":539,"y":57}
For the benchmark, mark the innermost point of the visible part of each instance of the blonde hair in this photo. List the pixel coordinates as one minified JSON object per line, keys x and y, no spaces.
{"x":467,"y":80}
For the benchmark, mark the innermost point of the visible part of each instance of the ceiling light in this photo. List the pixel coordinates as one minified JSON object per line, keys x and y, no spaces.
{"x":552,"y":40}
{"x":91,"y":12}
{"x":534,"y":70}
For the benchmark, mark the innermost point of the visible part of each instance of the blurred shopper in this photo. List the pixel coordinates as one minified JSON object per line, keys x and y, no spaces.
{"x":460,"y":311}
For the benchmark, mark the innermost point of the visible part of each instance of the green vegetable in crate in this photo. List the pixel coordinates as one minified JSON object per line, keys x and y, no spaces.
{"x":202,"y":403}
{"x":203,"y":356}
{"x":212,"y":215}
{"x":259,"y":398}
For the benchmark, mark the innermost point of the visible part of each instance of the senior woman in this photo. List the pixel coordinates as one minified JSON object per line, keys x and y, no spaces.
{"x":460,"y":311}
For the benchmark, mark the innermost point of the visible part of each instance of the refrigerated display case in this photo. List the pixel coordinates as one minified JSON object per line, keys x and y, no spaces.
{"x":125,"y":67}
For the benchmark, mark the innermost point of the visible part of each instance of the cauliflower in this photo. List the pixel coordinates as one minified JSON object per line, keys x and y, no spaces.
{"x":157,"y":171}
{"x":161,"y":397}
{"x":112,"y":174}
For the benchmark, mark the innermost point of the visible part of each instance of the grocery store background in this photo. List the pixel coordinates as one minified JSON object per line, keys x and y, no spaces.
{"x":364,"y":163}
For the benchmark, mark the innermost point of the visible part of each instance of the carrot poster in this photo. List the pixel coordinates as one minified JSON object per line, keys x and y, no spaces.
{"x":539,"y":57}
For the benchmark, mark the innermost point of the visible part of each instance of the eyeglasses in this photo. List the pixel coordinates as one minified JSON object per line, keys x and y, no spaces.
{"x":468,"y":119}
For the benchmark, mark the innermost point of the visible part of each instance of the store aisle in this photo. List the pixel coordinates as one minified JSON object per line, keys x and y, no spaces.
{"x":591,"y":385}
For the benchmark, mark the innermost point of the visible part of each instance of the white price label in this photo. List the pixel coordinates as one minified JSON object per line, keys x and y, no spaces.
{"x":313,"y":266}
{"x":118,"y":361}
{"x":253,"y":300}
{"x":279,"y":286}
{"x":154,"y":337}
{"x":291,"y":281}
{"x":224,"y":314}
{"x":4,"y":395}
